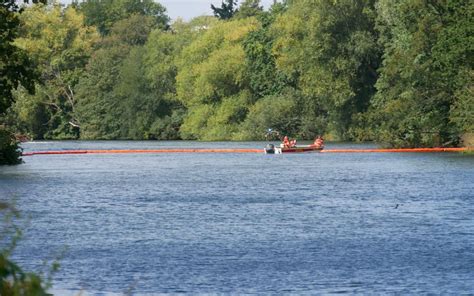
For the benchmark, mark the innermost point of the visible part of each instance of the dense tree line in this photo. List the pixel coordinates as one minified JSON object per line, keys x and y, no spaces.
{"x":15,"y":70}
{"x":396,"y":71}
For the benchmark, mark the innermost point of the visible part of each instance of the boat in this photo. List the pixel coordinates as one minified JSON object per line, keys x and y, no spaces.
{"x":272,"y":149}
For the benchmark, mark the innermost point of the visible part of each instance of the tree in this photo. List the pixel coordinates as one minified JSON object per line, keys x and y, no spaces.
{"x":249,"y":8}
{"x":60,"y":45}
{"x":161,"y":68}
{"x":211,"y":81}
{"x":425,"y":83}
{"x":263,"y":75}
{"x":462,"y":110}
{"x":115,"y":99}
{"x":15,"y":69}
{"x":453,"y":54}
{"x":277,"y":112}
{"x":330,"y":49}
{"x":98,"y":105}
{"x":226,"y":11}
{"x":105,"y":13}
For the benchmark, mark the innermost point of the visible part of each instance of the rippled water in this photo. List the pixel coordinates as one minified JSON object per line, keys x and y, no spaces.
{"x":247,"y":223}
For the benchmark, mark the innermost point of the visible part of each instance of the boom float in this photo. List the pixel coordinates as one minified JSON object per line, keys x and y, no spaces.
{"x":397,"y":150}
{"x":129,"y":151}
{"x":238,"y":150}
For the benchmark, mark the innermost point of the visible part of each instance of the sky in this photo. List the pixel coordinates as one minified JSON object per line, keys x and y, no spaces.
{"x":187,"y":9}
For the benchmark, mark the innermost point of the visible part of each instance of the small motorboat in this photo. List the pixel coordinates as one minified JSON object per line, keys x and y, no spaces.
{"x":272,"y":149}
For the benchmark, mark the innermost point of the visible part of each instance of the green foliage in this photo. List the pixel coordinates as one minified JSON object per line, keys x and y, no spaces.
{"x":60,"y":45}
{"x":278,"y":112}
{"x":224,"y":122}
{"x":98,"y":105}
{"x":264,"y":78}
{"x":462,"y":111}
{"x":9,"y":151}
{"x":13,"y":280}
{"x":15,"y":70}
{"x":226,"y":11}
{"x":104,"y":14}
{"x":213,"y":122}
{"x":453,"y":56}
{"x":211,"y":67}
{"x":168,"y":127}
{"x":142,"y":104}
{"x":210,"y":76}
{"x":15,"y":67}
{"x":161,"y":68}
{"x":399,"y":72}
{"x":28,"y":115}
{"x":131,"y":31}
{"x":249,"y":8}
{"x":425,"y":78}
{"x":330,"y":48}
{"x":132,"y":78}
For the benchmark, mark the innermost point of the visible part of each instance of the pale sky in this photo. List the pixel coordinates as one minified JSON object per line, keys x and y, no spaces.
{"x":187,"y":9}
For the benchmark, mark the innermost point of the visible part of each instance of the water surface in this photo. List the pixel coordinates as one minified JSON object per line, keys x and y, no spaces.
{"x":246,"y":223}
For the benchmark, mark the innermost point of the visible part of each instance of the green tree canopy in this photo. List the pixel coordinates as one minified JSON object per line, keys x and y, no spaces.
{"x":60,"y":45}
{"x":15,"y":67}
{"x":211,"y":76}
{"x":105,"y":13}
{"x":131,"y":78}
{"x":263,"y":75}
{"x":330,"y":48}
{"x":426,"y":78}
{"x":249,"y":8}
{"x":226,"y":11}
{"x":399,"y":72}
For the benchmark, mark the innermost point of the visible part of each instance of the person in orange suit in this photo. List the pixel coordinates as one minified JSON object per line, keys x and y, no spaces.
{"x":319,"y":142}
{"x":286,"y":142}
{"x":293,"y":143}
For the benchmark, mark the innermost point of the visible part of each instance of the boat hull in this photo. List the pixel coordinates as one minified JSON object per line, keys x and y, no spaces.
{"x":296,"y":149}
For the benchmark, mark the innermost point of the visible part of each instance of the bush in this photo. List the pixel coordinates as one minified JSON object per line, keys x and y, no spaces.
{"x":276,"y":112}
{"x":10,"y":152}
{"x":13,"y":280}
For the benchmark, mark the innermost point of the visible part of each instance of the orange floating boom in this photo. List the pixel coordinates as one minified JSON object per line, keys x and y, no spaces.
{"x":236,"y":150}
{"x":397,"y":150}
{"x":128,"y":151}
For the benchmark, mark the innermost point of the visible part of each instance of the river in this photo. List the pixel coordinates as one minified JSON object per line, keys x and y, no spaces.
{"x":371,"y":223}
